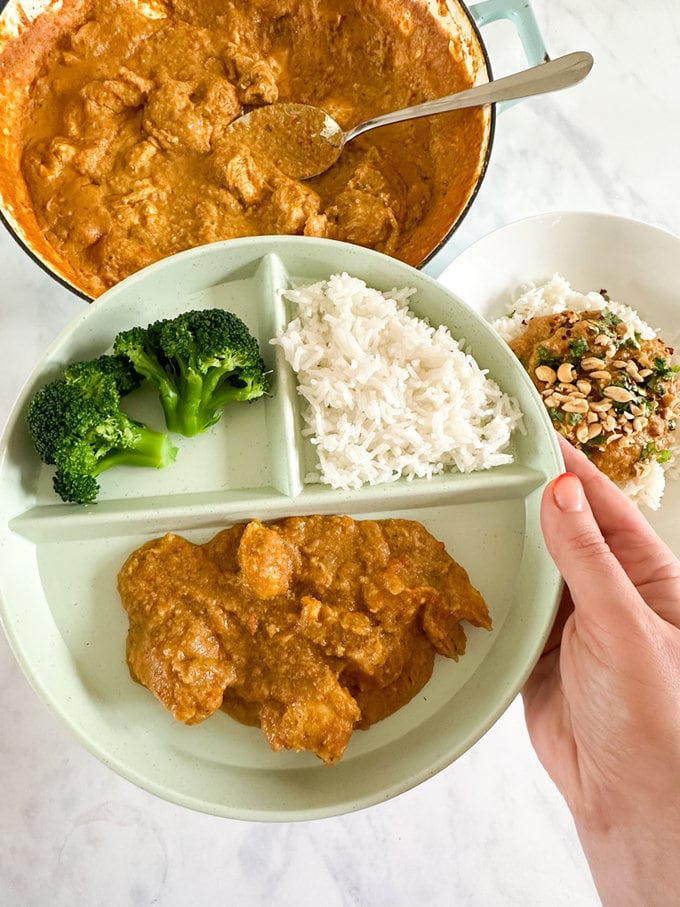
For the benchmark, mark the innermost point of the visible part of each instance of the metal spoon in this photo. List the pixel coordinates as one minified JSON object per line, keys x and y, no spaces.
{"x":304,"y":141}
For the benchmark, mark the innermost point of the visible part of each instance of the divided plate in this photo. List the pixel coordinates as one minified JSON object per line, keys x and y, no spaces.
{"x":58,"y":563}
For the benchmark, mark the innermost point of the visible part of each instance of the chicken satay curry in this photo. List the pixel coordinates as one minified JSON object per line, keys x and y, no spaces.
{"x":611,"y":393}
{"x":123,"y":139}
{"x":308,"y":627}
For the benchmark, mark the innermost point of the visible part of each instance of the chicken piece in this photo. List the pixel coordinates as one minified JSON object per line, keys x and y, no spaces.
{"x":142,"y":84}
{"x":216,"y":100}
{"x":258,"y":84}
{"x":116,"y":252}
{"x":190,"y":683}
{"x":138,"y":207}
{"x":179,"y":50}
{"x":365,"y":219}
{"x":85,"y":220}
{"x":318,"y":224}
{"x":320,"y":718}
{"x":95,"y":159}
{"x":442,"y":627}
{"x":290,"y":205}
{"x":181,"y":115}
{"x":376,"y":699}
{"x":141,"y":156}
{"x":175,"y":642}
{"x":48,"y":160}
{"x":212,"y":211}
{"x":368,"y":210}
{"x":350,"y":635}
{"x":96,"y":38}
{"x":455,"y":600}
{"x":266,"y":561}
{"x":240,"y":174}
{"x":111,"y":96}
{"x":256,"y":77}
{"x":172,"y":119}
{"x":390,"y":599}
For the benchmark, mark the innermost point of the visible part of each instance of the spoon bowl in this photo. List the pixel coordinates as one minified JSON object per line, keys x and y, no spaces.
{"x":303,"y":141}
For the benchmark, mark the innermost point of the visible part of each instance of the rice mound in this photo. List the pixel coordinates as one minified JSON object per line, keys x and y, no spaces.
{"x":557,"y":295}
{"x":386,"y":394}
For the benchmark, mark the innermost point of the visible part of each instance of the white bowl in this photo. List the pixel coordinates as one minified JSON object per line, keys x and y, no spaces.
{"x":638,"y":264}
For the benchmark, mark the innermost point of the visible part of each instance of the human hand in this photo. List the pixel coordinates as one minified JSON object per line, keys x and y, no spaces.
{"x":603,"y":703}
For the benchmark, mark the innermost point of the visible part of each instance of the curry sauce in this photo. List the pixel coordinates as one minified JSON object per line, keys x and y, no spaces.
{"x":308,"y":627}
{"x":123,"y":133}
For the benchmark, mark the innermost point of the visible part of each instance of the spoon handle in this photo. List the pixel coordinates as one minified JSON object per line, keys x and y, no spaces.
{"x":551,"y":76}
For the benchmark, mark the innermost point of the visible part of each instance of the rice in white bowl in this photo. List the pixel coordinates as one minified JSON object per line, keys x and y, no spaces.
{"x":557,"y":295}
{"x":386,"y":394}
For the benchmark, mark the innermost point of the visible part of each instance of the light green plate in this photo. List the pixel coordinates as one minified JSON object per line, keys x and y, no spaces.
{"x":58,"y":563}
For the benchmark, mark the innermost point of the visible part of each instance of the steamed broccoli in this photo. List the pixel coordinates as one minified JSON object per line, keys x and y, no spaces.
{"x":118,"y":367}
{"x":199,"y":361}
{"x":77,"y":425}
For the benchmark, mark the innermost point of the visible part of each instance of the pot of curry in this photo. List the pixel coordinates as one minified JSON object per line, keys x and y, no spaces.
{"x":113,"y":151}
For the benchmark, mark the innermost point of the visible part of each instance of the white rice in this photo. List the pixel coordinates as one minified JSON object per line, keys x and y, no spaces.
{"x":387,"y":395}
{"x":557,"y":295}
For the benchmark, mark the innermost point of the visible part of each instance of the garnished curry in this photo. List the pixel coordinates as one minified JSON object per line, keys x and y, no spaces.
{"x":308,"y":627}
{"x":613,"y":394}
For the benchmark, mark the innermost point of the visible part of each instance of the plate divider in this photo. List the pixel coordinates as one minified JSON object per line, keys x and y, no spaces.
{"x":282,"y":415}
{"x":146,"y":516}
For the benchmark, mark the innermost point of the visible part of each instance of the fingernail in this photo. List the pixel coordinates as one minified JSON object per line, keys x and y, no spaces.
{"x":568,"y":493}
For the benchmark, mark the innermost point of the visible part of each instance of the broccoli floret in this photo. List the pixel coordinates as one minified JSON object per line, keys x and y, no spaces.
{"x":77,"y":425}
{"x":199,"y":361}
{"x":120,"y":368}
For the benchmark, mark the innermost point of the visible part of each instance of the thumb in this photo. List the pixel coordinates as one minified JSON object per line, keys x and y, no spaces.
{"x":599,"y":586}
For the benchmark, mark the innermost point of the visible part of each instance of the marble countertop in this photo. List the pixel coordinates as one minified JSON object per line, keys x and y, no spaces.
{"x":488,"y":831}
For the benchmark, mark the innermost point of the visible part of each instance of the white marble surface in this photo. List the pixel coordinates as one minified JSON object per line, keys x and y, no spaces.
{"x":490,"y":830}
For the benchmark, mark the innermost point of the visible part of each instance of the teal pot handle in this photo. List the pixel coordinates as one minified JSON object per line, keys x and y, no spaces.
{"x":521,"y":14}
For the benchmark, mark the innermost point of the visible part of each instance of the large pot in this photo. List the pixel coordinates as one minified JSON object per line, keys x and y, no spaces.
{"x":18,"y":66}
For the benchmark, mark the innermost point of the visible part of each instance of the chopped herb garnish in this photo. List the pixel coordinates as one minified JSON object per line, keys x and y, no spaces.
{"x":574,"y":418}
{"x":547,"y":357}
{"x":632,"y":343}
{"x":555,"y":414}
{"x":606,"y":324}
{"x":610,"y":318}
{"x":624,"y":380}
{"x":593,"y":443}
{"x":655,"y":385}
{"x":662,"y":369}
{"x":650,"y":450}
{"x":578,"y":349}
